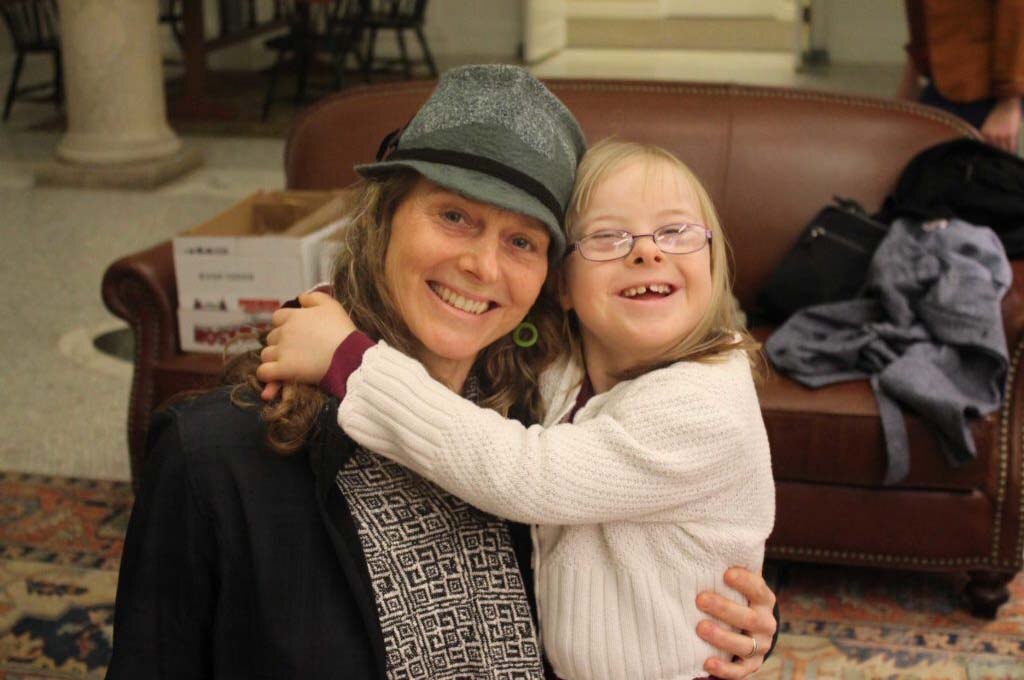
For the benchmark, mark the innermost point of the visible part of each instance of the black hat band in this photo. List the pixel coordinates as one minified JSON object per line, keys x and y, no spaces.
{"x":487,"y":166}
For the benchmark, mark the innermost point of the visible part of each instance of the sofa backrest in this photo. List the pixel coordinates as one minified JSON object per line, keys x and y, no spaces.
{"x":769,"y":157}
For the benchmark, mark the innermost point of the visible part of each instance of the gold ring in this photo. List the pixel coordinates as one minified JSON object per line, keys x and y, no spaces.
{"x":753,"y":649}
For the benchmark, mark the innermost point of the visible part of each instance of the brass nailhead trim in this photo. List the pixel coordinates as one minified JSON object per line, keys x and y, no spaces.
{"x":1005,"y":417}
{"x":1015,"y":360}
{"x":887,"y":560}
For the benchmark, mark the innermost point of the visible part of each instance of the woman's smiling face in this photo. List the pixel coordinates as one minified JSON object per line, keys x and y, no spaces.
{"x":462,"y":274}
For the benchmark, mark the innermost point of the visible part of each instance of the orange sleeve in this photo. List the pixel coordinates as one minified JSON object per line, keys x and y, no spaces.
{"x":1008,"y":49}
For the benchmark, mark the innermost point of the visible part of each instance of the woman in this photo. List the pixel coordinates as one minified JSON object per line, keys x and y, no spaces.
{"x":332,"y":562}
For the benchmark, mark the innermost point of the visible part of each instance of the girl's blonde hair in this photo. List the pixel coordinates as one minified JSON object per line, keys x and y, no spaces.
{"x":719,"y":330}
{"x":507,"y":374}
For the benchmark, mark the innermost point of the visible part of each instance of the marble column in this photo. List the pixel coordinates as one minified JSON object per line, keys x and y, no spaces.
{"x":117,"y":133}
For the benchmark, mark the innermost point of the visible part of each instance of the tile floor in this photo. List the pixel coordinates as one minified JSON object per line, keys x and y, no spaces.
{"x":66,"y":403}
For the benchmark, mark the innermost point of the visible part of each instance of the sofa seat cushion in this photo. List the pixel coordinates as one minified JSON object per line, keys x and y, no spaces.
{"x":833,"y":435}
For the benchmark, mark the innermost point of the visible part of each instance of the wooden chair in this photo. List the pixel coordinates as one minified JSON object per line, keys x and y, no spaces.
{"x":315,"y":27}
{"x":32,"y":25}
{"x":398,"y":16}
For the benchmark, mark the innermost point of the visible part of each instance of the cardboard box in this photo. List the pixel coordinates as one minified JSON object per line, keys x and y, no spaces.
{"x":209,"y":331}
{"x":259,"y":253}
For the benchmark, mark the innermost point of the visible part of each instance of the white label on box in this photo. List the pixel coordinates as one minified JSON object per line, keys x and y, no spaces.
{"x":238,"y":283}
{"x":208,"y":331}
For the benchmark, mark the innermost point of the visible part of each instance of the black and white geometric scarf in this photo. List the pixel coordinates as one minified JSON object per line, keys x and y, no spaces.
{"x":450,"y":597}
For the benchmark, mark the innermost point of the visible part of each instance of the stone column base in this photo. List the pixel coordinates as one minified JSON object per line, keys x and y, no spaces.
{"x":135,"y":175}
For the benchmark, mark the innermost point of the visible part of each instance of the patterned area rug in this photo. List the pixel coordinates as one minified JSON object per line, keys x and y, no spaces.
{"x":60,"y":541}
{"x":60,"y":546}
{"x":853,"y":624}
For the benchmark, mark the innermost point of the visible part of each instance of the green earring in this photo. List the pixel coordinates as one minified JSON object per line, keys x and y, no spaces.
{"x":525,"y":335}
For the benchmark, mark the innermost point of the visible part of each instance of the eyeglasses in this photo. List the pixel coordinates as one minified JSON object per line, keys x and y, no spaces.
{"x":615,"y":244}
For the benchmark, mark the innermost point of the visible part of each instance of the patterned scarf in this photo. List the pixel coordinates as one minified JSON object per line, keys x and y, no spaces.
{"x":449,"y":594}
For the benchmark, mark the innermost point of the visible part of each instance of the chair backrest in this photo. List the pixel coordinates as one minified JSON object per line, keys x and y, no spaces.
{"x":405,"y":12}
{"x":237,"y":15}
{"x":170,"y":10}
{"x":317,"y":16}
{"x":32,"y":23}
{"x":769,"y":157}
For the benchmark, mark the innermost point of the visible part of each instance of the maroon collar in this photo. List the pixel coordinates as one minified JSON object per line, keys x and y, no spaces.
{"x":586,"y":392}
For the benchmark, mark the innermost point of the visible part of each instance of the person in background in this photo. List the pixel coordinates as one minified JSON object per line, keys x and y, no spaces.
{"x":971,"y":55}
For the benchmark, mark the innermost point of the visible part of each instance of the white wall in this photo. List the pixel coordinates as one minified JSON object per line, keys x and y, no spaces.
{"x":545,"y":28}
{"x":864,"y":31}
{"x":783,"y":10}
{"x":474,"y":28}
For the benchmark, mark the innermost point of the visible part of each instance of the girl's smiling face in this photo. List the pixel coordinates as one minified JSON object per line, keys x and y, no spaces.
{"x":462,"y":274}
{"x":622,"y":327}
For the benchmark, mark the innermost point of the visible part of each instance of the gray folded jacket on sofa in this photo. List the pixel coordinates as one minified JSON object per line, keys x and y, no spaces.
{"x":928,"y":335}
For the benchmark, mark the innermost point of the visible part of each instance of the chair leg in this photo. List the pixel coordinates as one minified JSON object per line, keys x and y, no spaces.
{"x":426,"y":52}
{"x":176,"y":21}
{"x":406,"y":64}
{"x":355,"y":45}
{"x":986,"y":591}
{"x":271,"y":86}
{"x":302,"y":60}
{"x":58,"y":80}
{"x":15,"y":75}
{"x":368,"y":61}
{"x":338,"y":61}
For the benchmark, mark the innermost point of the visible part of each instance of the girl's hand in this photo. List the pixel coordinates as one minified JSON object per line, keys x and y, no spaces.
{"x":302,"y":343}
{"x":756,"y":621}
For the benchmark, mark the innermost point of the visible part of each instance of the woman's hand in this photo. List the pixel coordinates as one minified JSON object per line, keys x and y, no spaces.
{"x":1002,"y":125}
{"x":756,"y":621}
{"x":302,"y":343}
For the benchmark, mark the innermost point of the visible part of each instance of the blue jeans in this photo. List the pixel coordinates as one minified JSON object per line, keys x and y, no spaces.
{"x":974,"y":112}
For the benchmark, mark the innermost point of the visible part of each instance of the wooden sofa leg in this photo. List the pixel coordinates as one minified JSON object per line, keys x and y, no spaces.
{"x":987,"y":591}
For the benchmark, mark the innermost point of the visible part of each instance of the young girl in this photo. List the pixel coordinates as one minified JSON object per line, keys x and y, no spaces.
{"x":651,"y":473}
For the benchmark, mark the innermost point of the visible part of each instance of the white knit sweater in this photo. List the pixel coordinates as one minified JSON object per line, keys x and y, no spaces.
{"x":658,"y":486}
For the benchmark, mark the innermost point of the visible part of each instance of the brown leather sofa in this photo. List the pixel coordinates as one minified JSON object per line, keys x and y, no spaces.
{"x":770,"y":158}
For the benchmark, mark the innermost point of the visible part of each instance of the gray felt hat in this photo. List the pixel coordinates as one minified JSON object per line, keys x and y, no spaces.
{"x":495,"y":134}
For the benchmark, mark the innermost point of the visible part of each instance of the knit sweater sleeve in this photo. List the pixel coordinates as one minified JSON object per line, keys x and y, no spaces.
{"x":664,"y":441}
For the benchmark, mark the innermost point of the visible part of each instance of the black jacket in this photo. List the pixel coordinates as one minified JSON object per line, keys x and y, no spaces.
{"x":233,"y":567}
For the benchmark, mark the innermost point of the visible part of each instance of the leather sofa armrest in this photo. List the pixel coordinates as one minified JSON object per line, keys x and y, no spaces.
{"x":1013,"y":306}
{"x":141,"y":289}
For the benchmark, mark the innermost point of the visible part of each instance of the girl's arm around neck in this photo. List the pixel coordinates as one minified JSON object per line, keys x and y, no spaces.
{"x":673,"y":439}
